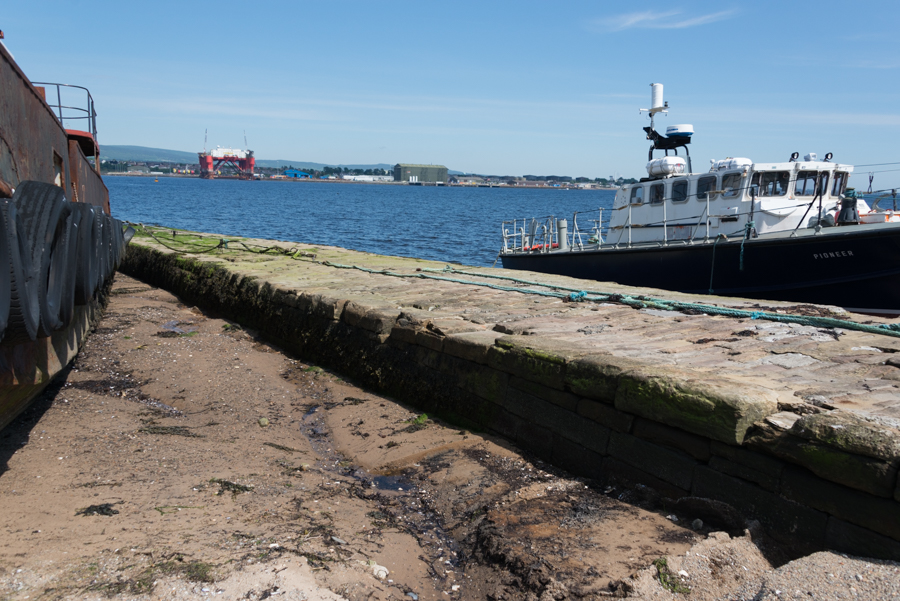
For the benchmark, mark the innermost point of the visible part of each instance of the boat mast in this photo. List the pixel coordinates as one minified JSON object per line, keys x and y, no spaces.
{"x":658,"y":142}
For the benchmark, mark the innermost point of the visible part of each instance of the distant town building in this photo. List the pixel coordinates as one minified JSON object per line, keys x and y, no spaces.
{"x":296,"y":173}
{"x":368,"y":178}
{"x":435,"y":174}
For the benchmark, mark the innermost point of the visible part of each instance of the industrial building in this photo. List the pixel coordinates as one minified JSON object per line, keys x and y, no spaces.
{"x":419,"y":174}
{"x":296,"y":173}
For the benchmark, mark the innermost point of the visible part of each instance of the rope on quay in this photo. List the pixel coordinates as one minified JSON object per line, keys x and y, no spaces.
{"x":294,"y":252}
{"x":642,"y":302}
{"x":556,"y":291}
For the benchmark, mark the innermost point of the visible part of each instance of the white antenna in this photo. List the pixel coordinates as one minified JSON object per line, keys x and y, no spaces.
{"x":657,"y":105}
{"x":246,"y":146}
{"x":205,"y":134}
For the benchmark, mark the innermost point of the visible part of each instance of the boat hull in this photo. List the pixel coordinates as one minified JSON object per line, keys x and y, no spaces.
{"x":35,"y":148}
{"x":856,"y":267}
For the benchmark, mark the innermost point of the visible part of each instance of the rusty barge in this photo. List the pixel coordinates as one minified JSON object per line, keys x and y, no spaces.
{"x":59,"y":245}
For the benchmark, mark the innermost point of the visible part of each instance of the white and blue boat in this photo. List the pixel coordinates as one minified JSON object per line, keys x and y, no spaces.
{"x":783,"y":230}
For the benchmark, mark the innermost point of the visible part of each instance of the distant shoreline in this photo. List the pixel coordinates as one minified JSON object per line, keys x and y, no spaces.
{"x":344,"y":181}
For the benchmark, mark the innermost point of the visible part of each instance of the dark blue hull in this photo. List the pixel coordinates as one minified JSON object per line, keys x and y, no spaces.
{"x":857,"y":267}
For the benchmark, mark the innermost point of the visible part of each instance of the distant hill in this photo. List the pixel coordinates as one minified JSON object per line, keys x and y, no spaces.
{"x":144,"y":154}
{"x":151,"y":155}
{"x":280,"y":163}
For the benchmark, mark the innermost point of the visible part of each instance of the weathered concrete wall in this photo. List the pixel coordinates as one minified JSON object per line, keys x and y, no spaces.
{"x":816,"y":480}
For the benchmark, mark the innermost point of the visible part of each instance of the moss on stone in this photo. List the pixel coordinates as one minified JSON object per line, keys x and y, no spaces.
{"x":851,"y":433}
{"x":856,"y":471}
{"x":715,"y":410}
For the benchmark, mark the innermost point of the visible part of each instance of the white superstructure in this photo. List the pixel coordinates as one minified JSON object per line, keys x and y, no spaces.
{"x":227,"y":153}
{"x":774,"y":196}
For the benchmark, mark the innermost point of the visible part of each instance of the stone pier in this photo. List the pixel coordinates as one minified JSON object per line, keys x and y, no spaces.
{"x":793,"y":425}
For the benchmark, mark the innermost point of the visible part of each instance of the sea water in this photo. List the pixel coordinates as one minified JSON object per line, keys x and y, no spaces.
{"x":452,"y":224}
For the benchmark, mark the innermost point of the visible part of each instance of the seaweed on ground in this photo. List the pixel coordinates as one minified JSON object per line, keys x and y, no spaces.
{"x":281,"y":447}
{"x":233,"y":487}
{"x":667,"y":579}
{"x":171,"y":431}
{"x":102,"y":509}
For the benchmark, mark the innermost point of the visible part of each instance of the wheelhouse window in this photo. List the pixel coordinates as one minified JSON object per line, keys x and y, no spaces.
{"x":679,"y":190}
{"x":840,"y":183}
{"x":637,"y":195}
{"x":705,"y":185}
{"x":806,"y":183}
{"x":772,"y":183}
{"x":657,"y":194}
{"x":731,"y":185}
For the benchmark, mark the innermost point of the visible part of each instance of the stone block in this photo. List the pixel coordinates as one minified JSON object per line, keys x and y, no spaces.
{"x":379,"y":321}
{"x":288,"y":298}
{"x":505,"y":424}
{"x":475,"y":378}
{"x":404,"y":333}
{"x":747,"y":465}
{"x":875,"y":513}
{"x":353,"y":313}
{"x":628,"y":474}
{"x":472,"y":346}
{"x":469,"y":410}
{"x":532,"y":358}
{"x":856,"y":471}
{"x":605,"y":415}
{"x":849,"y":538}
{"x":851,"y":433}
{"x":669,"y":466}
{"x":715,"y":409}
{"x":557,"y":397}
{"x":429,"y":339}
{"x":767,"y":481}
{"x":695,"y":446}
{"x":324,"y":306}
{"x":790,"y":522}
{"x":596,"y":376}
{"x":535,"y":438}
{"x":446,"y":327}
{"x":577,"y":459}
{"x":427,"y":357}
{"x":557,"y":420}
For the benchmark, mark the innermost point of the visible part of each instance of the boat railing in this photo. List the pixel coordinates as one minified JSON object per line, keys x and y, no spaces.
{"x":72,"y":114}
{"x":543,"y":234}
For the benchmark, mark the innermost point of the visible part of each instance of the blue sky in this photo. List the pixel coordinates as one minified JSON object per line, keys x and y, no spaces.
{"x":506,"y":88}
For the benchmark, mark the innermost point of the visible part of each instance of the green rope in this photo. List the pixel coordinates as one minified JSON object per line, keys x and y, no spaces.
{"x":748,"y":228}
{"x":643,"y":302}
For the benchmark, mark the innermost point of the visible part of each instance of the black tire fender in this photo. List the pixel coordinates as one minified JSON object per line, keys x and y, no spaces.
{"x":85,"y":255}
{"x":115,"y":235}
{"x":43,"y":212}
{"x":104,"y":247}
{"x":5,"y":267}
{"x":70,"y":259}
{"x":24,"y":306}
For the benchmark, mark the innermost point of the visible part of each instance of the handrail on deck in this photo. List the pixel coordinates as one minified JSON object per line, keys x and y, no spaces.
{"x":87,"y":111}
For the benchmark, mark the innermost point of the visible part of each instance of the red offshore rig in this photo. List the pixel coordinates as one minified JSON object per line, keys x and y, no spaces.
{"x":241,"y":162}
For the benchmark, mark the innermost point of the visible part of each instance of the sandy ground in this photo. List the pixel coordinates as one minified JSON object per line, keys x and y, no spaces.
{"x":182,"y":458}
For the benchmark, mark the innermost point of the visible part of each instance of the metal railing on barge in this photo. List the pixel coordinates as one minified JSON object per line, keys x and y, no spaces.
{"x":64,"y":112}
